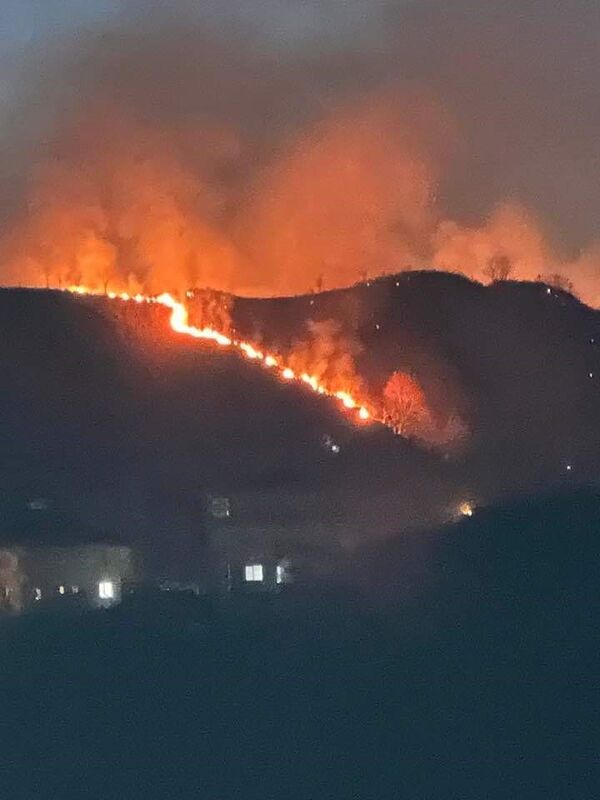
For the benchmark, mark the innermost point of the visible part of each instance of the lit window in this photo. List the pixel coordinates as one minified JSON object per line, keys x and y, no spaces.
{"x":75,"y":589}
{"x":253,"y":572}
{"x":61,"y":589}
{"x":220,"y":507}
{"x":280,"y":573}
{"x":106,"y":590}
{"x":37,"y":594}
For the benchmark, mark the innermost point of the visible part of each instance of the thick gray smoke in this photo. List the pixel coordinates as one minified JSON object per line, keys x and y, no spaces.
{"x":255,"y":147}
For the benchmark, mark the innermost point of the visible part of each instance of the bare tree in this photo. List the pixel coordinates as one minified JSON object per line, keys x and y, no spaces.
{"x":404,"y":404}
{"x":559,"y":281}
{"x":498,"y":268}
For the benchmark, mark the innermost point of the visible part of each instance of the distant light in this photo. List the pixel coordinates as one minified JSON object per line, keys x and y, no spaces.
{"x":279,"y":573}
{"x":363,"y":413}
{"x":61,"y":589}
{"x":38,"y":504}
{"x":466,"y":509}
{"x":312,"y":302}
{"x":74,"y":589}
{"x":548,"y":290}
{"x":397,"y":283}
{"x":591,"y":374}
{"x":569,"y":467}
{"x":288,"y":374}
{"x":37,"y":594}
{"x":330,"y":445}
{"x":106,"y":590}
{"x":189,"y":294}
{"x":253,"y":573}
{"x":592,"y":340}
{"x":377,"y":326}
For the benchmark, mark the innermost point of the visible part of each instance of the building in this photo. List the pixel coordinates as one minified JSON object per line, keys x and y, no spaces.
{"x":93,"y":574}
{"x":265,"y":542}
{"x":49,"y":555}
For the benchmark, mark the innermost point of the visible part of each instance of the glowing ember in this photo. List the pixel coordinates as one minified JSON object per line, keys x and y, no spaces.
{"x":466,"y":509}
{"x":179,"y":322}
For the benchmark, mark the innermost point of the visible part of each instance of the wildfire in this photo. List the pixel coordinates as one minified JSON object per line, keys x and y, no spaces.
{"x":179,"y":321}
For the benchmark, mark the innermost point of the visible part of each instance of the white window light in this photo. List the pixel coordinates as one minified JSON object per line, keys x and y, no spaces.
{"x":253,"y":572}
{"x":280,"y":573}
{"x":106,"y":590}
{"x":61,"y":589}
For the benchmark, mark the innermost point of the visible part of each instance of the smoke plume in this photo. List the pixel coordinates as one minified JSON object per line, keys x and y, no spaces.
{"x":328,"y":353}
{"x":166,"y":154}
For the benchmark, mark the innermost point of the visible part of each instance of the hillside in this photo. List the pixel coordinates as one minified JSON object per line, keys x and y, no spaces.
{"x":127,"y":426}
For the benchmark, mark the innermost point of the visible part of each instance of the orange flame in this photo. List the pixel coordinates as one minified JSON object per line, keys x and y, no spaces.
{"x":179,"y":321}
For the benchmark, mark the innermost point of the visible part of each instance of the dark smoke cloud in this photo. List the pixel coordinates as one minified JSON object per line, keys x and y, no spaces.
{"x":257,"y":146}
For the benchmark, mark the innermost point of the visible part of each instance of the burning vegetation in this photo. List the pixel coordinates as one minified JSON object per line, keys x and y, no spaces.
{"x":170,"y":160}
{"x":162,"y":157}
{"x":179,"y":322}
{"x":323,"y":361}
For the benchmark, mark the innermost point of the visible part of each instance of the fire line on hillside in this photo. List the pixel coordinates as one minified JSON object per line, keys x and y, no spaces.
{"x":179,"y":321}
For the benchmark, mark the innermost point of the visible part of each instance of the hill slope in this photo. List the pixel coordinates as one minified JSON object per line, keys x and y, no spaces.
{"x":122,"y":422}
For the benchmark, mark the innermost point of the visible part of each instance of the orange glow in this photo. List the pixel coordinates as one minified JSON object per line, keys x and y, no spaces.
{"x":179,"y":322}
{"x":346,"y":399}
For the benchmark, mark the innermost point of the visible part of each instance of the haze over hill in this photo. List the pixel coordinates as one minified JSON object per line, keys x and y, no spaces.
{"x":193,"y":147}
{"x":128,"y":425}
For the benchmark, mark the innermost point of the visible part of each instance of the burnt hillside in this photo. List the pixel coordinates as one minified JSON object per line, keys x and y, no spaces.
{"x":127,"y":426}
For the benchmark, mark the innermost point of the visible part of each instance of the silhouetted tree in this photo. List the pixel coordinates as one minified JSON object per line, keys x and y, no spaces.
{"x":499,"y":268}
{"x":559,"y":281}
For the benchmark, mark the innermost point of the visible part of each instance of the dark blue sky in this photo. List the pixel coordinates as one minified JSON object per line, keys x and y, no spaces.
{"x":24,"y":20}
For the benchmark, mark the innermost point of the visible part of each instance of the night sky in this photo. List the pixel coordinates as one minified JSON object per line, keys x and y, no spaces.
{"x":471,"y":129}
